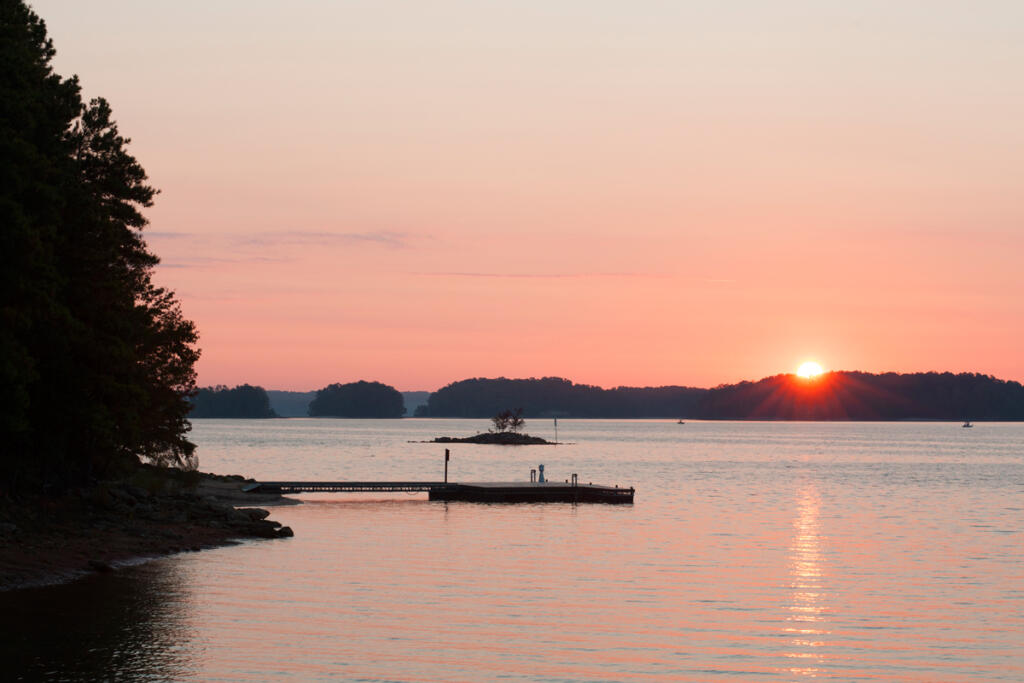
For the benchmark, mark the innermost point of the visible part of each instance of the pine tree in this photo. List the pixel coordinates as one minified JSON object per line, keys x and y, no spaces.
{"x":96,"y":362}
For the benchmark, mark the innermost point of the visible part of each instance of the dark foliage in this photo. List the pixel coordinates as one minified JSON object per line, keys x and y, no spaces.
{"x":96,"y":362}
{"x":832,"y":396}
{"x":358,"y":399}
{"x":245,"y":401}
{"x":508,"y":421}
{"x":865,"y":396}
{"x":557,"y":397}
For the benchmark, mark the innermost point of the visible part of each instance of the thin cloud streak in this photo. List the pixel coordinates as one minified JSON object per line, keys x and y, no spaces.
{"x":543,"y":276}
{"x":387,"y":238}
{"x":207,"y":262}
{"x":321,"y":238}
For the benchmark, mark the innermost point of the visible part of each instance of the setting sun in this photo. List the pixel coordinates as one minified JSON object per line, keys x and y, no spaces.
{"x":809,"y":369}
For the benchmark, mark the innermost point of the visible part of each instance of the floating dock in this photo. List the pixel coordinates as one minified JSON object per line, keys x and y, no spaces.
{"x":478,"y":492}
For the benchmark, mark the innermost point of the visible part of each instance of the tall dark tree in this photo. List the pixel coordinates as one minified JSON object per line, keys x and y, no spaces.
{"x":35,"y":108}
{"x":96,"y":362}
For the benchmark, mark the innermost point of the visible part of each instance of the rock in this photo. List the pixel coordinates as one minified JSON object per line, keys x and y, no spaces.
{"x":255,"y":514}
{"x":497,"y":439}
{"x":240,"y":516}
{"x":100,"y":566}
{"x":285,"y":532}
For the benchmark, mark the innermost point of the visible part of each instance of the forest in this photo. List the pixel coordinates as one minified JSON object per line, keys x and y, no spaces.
{"x":357,"y":399}
{"x":96,"y":360}
{"x":830,"y":396}
{"x":557,"y":397}
{"x":243,"y":401}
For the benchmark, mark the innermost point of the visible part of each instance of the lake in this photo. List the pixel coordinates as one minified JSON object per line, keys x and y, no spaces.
{"x":755,"y":551}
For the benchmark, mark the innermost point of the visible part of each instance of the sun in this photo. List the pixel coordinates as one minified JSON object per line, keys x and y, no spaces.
{"x":809,"y":369}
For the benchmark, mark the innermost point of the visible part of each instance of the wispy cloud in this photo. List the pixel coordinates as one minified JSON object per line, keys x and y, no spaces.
{"x":543,"y":276}
{"x":305,"y":237}
{"x":278,"y":238}
{"x":164,"y":235}
{"x":211,"y":261}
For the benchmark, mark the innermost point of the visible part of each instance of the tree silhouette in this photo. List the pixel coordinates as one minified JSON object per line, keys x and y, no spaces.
{"x":358,"y":399}
{"x":96,"y":362}
{"x":244,"y":401}
{"x":508,"y":421}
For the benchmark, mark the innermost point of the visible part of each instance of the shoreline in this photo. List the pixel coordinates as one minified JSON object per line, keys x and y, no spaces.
{"x":47,"y":540}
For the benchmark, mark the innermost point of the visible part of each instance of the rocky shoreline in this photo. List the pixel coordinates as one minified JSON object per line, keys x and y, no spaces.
{"x":496,"y":439}
{"x":154,"y":512}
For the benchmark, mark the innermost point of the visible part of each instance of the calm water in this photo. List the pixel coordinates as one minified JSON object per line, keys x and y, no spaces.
{"x":754,"y":551}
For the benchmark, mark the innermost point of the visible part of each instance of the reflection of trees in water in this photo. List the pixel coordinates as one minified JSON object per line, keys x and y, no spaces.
{"x":129,"y":624}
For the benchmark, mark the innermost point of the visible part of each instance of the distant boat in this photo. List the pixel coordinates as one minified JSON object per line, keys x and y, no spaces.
{"x":681,"y":421}
{"x":967,"y":424}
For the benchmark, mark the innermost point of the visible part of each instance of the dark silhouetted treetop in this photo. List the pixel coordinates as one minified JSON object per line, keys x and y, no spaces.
{"x":557,"y":397}
{"x":357,"y":399}
{"x":96,"y":362}
{"x":244,"y":401}
{"x":866,"y":396}
{"x":830,"y":396}
{"x":508,"y":421}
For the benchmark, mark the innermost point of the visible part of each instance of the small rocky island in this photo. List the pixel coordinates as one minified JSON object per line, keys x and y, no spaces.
{"x":505,"y":432}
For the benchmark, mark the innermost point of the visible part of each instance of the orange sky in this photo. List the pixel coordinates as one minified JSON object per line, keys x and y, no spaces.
{"x":617,"y":193}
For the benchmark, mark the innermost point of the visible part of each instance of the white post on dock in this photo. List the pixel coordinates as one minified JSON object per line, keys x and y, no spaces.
{"x":447,"y":455}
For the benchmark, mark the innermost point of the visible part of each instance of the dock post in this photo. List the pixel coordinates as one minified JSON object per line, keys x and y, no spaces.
{"x":447,"y":455}
{"x":574,"y":478}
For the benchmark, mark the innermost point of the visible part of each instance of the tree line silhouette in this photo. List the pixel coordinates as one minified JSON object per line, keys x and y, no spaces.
{"x":96,"y":361}
{"x":357,"y":399}
{"x":243,"y":401}
{"x":831,"y":396}
{"x":557,"y":397}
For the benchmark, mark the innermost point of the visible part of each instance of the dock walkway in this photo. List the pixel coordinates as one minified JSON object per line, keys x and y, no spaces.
{"x":484,"y":492}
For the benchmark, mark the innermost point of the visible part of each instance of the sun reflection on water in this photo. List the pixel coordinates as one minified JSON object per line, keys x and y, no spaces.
{"x":807,"y":625}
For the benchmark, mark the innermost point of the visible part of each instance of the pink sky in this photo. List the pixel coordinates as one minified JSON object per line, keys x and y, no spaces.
{"x":617,"y":193}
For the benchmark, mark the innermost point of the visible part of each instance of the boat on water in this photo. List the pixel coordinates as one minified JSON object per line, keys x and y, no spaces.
{"x":967,"y":424}
{"x":680,"y":422}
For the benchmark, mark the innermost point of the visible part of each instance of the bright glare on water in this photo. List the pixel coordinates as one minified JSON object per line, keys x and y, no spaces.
{"x":754,"y":551}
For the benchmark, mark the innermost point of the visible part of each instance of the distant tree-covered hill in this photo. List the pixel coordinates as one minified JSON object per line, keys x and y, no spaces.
{"x":866,"y":396}
{"x":245,"y":401}
{"x":831,"y":396}
{"x":296,"y":403}
{"x":557,"y":397}
{"x":357,"y":399}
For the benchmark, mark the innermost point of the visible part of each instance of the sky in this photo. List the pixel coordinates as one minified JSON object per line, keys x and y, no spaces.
{"x":622,"y":194}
